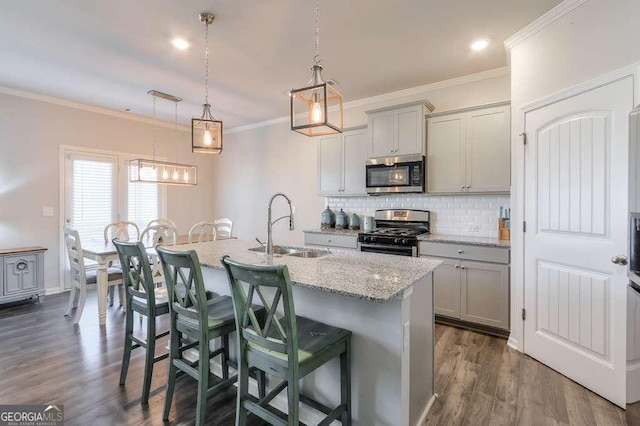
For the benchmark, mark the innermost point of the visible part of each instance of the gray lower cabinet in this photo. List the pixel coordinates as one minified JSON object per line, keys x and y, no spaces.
{"x":22,"y":274}
{"x":472,"y":284}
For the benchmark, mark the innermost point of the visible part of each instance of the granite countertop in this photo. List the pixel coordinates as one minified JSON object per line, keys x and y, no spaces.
{"x":463,"y":239}
{"x":375,"y":277}
{"x":334,"y":231}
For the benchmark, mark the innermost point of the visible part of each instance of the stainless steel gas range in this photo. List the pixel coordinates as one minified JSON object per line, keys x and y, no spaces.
{"x":396,"y":232}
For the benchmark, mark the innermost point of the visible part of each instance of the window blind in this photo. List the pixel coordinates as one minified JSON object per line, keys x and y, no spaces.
{"x":92,"y":197}
{"x":143,"y":201}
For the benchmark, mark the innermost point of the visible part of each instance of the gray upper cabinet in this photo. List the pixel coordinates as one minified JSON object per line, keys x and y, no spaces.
{"x":341,"y":163}
{"x":398,"y":130}
{"x":469,"y":151}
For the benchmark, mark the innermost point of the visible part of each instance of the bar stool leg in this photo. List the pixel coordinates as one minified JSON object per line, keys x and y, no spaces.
{"x":126,"y":355}
{"x":243,"y":391}
{"x":345,"y":383}
{"x":150,"y":355}
{"x":293,"y":394}
{"x":174,"y":343}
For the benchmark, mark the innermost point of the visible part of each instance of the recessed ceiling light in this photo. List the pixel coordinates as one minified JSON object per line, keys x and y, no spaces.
{"x":478,"y":45}
{"x":180,"y":43}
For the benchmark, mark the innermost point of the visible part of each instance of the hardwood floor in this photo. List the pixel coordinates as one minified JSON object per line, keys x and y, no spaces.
{"x":44,"y":359}
{"x":480,"y":381}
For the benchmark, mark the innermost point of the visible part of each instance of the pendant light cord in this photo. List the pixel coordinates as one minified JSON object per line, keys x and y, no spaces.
{"x":206,"y":63}
{"x":175,"y":128}
{"x":316,"y":59}
{"x":153,"y":134}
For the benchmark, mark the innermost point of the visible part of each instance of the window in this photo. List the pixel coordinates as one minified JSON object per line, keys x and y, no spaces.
{"x":93,"y":194}
{"x":143,"y":204}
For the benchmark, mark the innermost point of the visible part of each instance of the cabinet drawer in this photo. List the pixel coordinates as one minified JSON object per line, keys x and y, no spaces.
{"x":464,"y":251}
{"x":331,"y":240}
{"x":20,"y":273}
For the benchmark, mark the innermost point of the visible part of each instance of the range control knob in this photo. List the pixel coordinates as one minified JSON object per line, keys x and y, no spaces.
{"x":365,"y":239}
{"x":397,"y":241}
{"x":373,"y":239}
{"x":405,"y":241}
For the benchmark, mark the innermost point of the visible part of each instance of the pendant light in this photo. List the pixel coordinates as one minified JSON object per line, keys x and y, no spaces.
{"x":206,"y":131}
{"x":155,"y":171}
{"x":317,"y":108}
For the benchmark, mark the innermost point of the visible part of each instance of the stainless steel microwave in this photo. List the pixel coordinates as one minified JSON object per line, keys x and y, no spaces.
{"x":405,"y":173}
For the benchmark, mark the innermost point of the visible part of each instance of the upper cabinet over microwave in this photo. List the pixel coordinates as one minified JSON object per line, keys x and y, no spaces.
{"x":398,"y":130}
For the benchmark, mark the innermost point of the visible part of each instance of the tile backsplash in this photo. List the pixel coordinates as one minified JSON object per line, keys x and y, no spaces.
{"x":472,"y":215}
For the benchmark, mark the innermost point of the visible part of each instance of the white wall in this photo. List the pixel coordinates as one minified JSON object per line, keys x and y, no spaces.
{"x":597,"y":37}
{"x":258,"y":162}
{"x":31,"y":133}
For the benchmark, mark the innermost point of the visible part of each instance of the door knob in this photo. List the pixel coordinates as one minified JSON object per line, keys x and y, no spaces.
{"x":620,"y":259}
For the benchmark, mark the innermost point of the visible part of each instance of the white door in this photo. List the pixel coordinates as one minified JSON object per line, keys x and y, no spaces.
{"x":576,"y":206}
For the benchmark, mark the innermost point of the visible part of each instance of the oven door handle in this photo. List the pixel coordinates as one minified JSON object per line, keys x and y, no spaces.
{"x":414,"y":249}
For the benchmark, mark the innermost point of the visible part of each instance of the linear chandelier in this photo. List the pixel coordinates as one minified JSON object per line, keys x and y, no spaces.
{"x":155,"y":171}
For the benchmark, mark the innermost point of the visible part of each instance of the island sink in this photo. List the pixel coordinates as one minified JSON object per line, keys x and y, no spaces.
{"x":293,"y":251}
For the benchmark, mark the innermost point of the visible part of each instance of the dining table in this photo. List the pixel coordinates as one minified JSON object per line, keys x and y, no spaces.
{"x":104,"y":253}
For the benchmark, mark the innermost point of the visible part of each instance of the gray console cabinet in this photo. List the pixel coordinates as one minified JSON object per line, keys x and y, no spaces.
{"x":22,"y":274}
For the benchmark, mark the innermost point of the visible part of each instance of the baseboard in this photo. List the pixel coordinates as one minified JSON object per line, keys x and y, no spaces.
{"x":48,"y":291}
{"x":492,"y":331}
{"x":307,"y":414}
{"x":513,"y":343}
{"x":633,"y":382}
{"x":423,"y":417}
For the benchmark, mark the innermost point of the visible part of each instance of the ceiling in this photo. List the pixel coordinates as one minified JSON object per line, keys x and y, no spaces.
{"x":111,"y":53}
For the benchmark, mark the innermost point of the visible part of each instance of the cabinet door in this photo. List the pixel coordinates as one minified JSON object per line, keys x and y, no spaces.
{"x":488,"y":152}
{"x":485,"y":294}
{"x":409,"y":130}
{"x":445,"y":154}
{"x":355,"y":155}
{"x":20,"y":273}
{"x":330,"y":165}
{"x":446,"y":285}
{"x":381,"y":142}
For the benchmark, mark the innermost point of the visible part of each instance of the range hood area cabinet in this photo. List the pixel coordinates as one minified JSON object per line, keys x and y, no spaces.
{"x":398,"y":130}
{"x":341,"y":163}
{"x":469,"y":150}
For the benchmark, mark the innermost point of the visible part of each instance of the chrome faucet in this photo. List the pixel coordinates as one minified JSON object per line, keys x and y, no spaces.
{"x":270,"y":223}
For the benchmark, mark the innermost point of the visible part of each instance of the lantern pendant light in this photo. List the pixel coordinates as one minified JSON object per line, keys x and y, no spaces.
{"x":206,"y":131}
{"x":317,"y":108}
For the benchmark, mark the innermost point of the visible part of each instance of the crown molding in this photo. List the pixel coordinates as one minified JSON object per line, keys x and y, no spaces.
{"x":89,"y":108}
{"x":418,"y":90}
{"x":541,"y":23}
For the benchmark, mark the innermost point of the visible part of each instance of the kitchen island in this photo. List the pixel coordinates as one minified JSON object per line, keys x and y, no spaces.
{"x":387,"y":303}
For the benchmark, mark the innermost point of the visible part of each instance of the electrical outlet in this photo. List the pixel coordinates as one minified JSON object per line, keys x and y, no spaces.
{"x":47,"y":211}
{"x":474,"y":228}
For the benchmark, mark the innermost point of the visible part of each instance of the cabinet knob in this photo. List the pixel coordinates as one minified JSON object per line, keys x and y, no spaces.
{"x":460,"y":251}
{"x":462,"y":187}
{"x":468,"y":186}
{"x":462,"y":267}
{"x":457,"y":266}
{"x":328,"y":241}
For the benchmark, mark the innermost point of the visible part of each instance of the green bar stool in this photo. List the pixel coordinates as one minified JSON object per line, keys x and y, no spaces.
{"x":144,"y":298}
{"x":201,"y":320}
{"x":289,"y":348}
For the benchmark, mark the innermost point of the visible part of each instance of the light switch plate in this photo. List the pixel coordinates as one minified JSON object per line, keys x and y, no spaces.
{"x":47,"y":211}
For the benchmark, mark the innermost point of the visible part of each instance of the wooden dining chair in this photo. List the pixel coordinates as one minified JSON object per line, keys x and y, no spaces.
{"x":224,"y":227}
{"x":202,"y":232}
{"x":201,"y":319}
{"x":81,"y":277}
{"x":165,"y":235}
{"x":146,"y":300}
{"x":123,"y":231}
{"x":289,"y":347}
{"x":162,"y":221}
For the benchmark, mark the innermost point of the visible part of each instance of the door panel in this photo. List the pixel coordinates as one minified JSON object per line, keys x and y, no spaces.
{"x":488,"y":150}
{"x":381,"y":142}
{"x":576,"y":206}
{"x":330,"y":165}
{"x":410,"y":131}
{"x":485,"y":294}
{"x":354,"y":162}
{"x":446,"y":285}
{"x":445,"y":149}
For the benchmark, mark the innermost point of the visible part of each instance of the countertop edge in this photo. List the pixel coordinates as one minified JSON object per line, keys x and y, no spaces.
{"x":344,"y":293}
